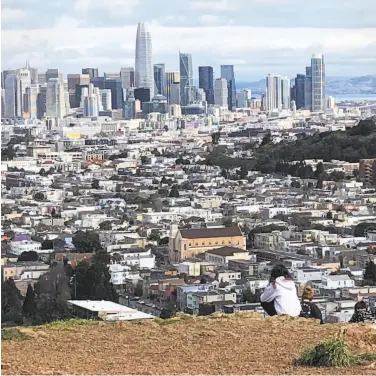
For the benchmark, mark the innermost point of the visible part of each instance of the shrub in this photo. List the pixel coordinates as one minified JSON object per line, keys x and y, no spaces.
{"x":334,"y":353}
{"x":13,"y":334}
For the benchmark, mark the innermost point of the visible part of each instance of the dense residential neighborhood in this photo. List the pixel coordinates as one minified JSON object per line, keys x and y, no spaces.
{"x":169,"y":221}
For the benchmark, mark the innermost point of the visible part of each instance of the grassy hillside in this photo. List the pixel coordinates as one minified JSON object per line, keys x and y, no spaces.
{"x":229,"y":344}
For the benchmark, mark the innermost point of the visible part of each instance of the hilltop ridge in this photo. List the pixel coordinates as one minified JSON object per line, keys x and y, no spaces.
{"x":243,"y":343}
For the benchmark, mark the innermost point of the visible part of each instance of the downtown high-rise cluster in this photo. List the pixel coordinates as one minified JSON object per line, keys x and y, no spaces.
{"x":149,"y":88}
{"x":308,"y":91}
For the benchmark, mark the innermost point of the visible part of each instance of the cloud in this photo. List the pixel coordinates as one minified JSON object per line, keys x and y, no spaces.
{"x":115,"y":8}
{"x":212,"y":5}
{"x":11,"y":15}
{"x":257,"y":36}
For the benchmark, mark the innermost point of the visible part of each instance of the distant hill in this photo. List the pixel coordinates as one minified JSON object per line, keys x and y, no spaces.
{"x":334,"y":85}
{"x":353,"y":144}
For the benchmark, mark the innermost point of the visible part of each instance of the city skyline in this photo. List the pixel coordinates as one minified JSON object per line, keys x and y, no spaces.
{"x":72,"y":40}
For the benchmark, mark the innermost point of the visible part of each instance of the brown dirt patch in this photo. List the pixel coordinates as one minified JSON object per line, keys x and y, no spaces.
{"x":236,"y":344}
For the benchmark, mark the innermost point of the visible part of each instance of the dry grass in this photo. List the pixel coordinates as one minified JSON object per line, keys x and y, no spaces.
{"x":234,"y":344}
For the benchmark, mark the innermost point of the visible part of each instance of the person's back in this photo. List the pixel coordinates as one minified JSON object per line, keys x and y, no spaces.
{"x":309,"y":310}
{"x":280,"y":297}
{"x":362,"y":313}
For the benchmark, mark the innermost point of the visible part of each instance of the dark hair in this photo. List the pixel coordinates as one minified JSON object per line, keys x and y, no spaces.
{"x":279,"y":270}
{"x":360,"y":305}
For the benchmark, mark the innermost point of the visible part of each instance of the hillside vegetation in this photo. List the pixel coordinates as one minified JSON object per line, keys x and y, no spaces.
{"x":244,"y":343}
{"x":351,"y":145}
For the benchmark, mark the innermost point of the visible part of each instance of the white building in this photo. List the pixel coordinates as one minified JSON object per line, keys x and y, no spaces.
{"x":18,"y":247}
{"x":273,"y":93}
{"x":333,"y":282}
{"x":318,"y":82}
{"x":144,"y":72}
{"x":221,"y":92}
{"x":55,"y":99}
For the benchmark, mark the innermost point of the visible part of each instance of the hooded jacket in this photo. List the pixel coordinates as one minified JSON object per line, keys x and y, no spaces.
{"x":283,"y":292}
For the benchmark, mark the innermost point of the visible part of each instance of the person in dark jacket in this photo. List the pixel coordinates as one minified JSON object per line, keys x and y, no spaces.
{"x":361,"y":314}
{"x":309,"y":310}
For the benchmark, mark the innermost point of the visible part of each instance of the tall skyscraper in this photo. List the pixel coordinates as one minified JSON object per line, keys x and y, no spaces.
{"x":90,"y":101}
{"x":172,"y":77}
{"x":127,"y":77}
{"x":106,"y":99}
{"x":92,"y":72}
{"x":41,"y":101}
{"x":12,"y":96}
{"x":144,"y":77}
{"x":53,"y":73}
{"x":318,"y":82}
{"x":4,"y":75}
{"x":227,"y":72}
{"x":285,"y":93}
{"x":160,"y":78}
{"x":299,"y":91}
{"x":24,"y":77}
{"x":273,"y":93}
{"x":31,"y":102}
{"x":242,"y":98}
{"x":73,"y":81}
{"x":221,"y":92}
{"x":55,"y":104}
{"x":206,"y":82}
{"x":174,"y":93}
{"x":308,"y":89}
{"x":130,"y":107}
{"x":116,"y":90}
{"x":186,"y":78}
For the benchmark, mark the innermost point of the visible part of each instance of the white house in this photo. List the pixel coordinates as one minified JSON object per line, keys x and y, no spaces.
{"x":18,"y":247}
{"x":333,"y":282}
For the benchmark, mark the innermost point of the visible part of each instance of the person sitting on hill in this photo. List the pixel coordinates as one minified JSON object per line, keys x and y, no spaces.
{"x":280,"y":297}
{"x":309,"y":310}
{"x":362,"y":314}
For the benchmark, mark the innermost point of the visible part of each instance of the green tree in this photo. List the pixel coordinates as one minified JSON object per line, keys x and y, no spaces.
{"x":28,"y":256}
{"x":168,"y":312}
{"x":138,"y":290}
{"x":215,"y":137}
{"x":29,"y":307}
{"x":362,"y":228}
{"x":95,"y":184}
{"x":11,"y":302}
{"x":174,"y":191}
{"x":106,"y":225}
{"x":243,"y":172}
{"x":39,"y":196}
{"x":154,"y":236}
{"x":319,"y":184}
{"x":250,"y":297}
{"x":319,"y":170}
{"x":266,"y":139}
{"x":86,"y":242}
{"x":370,"y":273}
{"x":92,"y":282}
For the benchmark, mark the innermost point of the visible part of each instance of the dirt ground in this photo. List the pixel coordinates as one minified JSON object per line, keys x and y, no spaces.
{"x":237,"y":344}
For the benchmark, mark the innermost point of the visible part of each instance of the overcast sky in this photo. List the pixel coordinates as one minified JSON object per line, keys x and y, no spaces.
{"x":257,"y":36}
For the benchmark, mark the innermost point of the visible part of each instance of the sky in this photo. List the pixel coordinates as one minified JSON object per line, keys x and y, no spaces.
{"x":257,"y":36}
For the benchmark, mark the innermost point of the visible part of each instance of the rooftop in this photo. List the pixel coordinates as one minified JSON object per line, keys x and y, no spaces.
{"x":223,"y":232}
{"x":226,"y":251}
